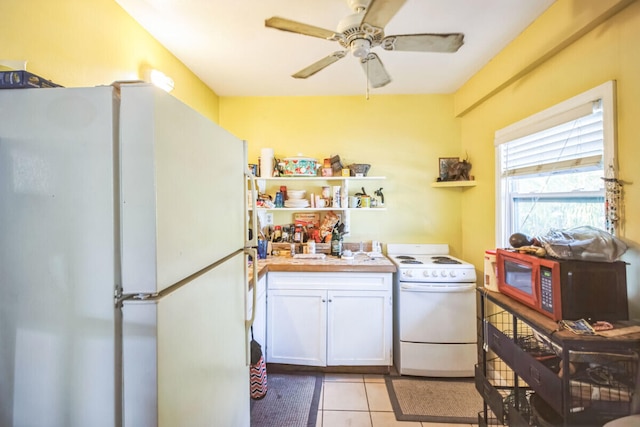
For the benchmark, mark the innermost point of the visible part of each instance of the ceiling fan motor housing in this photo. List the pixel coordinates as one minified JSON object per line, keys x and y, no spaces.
{"x":356,"y":36}
{"x":360,"y":47}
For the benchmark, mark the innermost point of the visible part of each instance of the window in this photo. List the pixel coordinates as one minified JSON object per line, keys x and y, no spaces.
{"x":556,"y":169}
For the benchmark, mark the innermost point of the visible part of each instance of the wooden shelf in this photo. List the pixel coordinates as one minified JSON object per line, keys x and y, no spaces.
{"x":444,"y":184}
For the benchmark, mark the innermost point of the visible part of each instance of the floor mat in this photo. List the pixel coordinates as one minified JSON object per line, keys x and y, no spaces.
{"x":434,"y":400}
{"x":292,"y":401}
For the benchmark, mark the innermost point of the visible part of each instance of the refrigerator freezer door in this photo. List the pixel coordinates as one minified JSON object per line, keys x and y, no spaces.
{"x":182,"y":190}
{"x":203,"y":379}
{"x":57,"y":263}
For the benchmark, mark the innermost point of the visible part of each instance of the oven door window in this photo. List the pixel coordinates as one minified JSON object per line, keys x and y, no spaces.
{"x":518,"y":276}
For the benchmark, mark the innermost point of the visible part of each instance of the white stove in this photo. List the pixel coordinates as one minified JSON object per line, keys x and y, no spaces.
{"x":434,"y":311}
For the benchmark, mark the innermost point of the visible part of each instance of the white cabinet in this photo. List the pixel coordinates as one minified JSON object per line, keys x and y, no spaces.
{"x":358,"y":328}
{"x":329,"y":319}
{"x":297,"y":322}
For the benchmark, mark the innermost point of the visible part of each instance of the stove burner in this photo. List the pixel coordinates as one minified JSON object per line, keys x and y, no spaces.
{"x":410,"y":261}
{"x":444,"y":260}
{"x":404,"y":257}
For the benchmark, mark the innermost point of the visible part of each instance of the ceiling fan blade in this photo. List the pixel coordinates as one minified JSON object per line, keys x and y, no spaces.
{"x":319,"y":65}
{"x":379,"y":12}
{"x":298,"y":27}
{"x":424,"y":42}
{"x":375,"y":71}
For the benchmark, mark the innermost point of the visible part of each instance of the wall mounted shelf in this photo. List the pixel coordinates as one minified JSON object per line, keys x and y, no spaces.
{"x":444,"y":184}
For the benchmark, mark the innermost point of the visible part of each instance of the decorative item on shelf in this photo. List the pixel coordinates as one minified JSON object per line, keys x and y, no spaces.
{"x":378,"y":193}
{"x":453,"y":169}
{"x":336,"y":165}
{"x":359,"y":169}
{"x":299,"y":166}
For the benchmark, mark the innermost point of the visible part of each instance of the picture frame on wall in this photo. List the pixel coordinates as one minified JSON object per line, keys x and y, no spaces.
{"x":444,"y":166}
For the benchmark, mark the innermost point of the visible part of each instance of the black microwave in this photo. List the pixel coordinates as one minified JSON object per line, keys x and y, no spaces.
{"x":564,"y":289}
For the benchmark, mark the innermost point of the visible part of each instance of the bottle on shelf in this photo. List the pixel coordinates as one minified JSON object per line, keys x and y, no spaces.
{"x":297,"y":235}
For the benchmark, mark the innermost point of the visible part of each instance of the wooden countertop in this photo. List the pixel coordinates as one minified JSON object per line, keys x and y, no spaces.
{"x":360,"y":263}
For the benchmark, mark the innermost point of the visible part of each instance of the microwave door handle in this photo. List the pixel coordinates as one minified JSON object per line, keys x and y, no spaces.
{"x":439,"y":288}
{"x":535,"y":288}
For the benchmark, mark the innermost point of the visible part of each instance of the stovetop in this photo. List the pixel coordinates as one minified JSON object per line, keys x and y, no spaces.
{"x":426,"y":260}
{"x":429,"y":263}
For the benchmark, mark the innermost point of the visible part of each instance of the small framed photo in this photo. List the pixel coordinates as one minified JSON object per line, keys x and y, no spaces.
{"x":445,"y":164}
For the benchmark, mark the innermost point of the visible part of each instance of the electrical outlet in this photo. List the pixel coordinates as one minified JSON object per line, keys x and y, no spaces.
{"x":268,"y":218}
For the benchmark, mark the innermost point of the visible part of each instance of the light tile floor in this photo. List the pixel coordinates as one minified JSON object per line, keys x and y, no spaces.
{"x":356,"y":400}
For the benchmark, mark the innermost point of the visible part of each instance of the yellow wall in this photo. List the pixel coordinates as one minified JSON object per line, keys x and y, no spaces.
{"x":400,"y":136}
{"x":608,"y":52}
{"x":91,"y":43}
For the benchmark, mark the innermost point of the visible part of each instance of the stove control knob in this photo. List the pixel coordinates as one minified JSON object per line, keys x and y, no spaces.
{"x":452,"y":273}
{"x":434,"y":273}
{"x":443,"y":273}
{"x":408,"y":273}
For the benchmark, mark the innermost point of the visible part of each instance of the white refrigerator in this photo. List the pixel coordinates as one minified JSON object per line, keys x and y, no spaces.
{"x":122,"y":262}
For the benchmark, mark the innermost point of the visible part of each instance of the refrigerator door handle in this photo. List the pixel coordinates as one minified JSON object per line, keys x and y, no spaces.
{"x":253,"y":252}
{"x":120,"y":298}
{"x":253,"y":241}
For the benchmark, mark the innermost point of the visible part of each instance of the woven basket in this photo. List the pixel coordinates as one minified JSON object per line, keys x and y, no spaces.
{"x":359,"y":168}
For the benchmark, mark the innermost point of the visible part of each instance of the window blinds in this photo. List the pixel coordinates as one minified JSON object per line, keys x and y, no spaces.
{"x":575,"y":143}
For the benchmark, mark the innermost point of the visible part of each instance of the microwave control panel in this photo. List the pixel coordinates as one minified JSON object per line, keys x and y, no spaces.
{"x":546,"y":289}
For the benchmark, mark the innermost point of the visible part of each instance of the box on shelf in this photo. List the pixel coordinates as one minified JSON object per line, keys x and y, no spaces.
{"x":306,"y":219}
{"x":23,"y":79}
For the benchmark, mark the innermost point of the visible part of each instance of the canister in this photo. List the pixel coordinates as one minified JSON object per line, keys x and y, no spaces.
{"x":490,"y":271}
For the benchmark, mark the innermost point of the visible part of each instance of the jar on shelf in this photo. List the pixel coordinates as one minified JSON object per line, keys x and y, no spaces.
{"x":297,"y":234}
{"x":277,"y":234}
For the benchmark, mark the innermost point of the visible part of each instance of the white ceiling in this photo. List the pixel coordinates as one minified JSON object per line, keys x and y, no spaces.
{"x":226,"y":44}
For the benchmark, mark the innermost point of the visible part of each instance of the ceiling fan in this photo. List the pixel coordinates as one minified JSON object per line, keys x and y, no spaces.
{"x":363,"y":30}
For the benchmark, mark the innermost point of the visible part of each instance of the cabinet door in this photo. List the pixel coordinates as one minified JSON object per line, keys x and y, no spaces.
{"x":359,"y":328}
{"x":296,"y":327}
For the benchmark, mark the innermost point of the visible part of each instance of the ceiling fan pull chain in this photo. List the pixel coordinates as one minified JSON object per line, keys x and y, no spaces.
{"x":367,"y":81}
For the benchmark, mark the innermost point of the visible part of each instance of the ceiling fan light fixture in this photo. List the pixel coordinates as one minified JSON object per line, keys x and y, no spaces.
{"x":360,"y":47}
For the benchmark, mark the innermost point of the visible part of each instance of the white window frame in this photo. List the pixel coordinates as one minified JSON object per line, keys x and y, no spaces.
{"x":553,"y":116}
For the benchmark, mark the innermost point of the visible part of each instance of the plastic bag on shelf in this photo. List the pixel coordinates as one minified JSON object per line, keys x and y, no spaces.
{"x":584,"y":243}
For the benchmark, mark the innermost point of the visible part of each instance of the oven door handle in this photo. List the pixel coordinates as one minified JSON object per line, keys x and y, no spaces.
{"x":439,"y":288}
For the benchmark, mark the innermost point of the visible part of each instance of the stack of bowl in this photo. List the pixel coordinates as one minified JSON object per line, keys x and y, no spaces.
{"x":295,"y":199}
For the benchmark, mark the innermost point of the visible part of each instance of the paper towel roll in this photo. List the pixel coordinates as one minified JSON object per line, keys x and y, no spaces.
{"x":266,"y":162}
